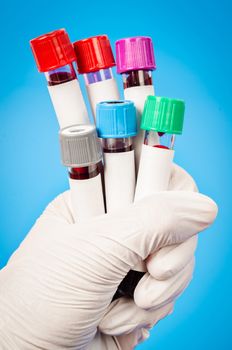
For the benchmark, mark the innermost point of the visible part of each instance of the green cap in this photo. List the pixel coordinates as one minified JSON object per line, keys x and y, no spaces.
{"x":163,"y":114}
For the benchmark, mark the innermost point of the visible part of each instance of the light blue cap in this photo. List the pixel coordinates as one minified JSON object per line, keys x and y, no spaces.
{"x":116,"y":119}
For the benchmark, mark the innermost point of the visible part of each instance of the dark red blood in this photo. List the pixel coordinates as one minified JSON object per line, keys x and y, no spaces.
{"x":161,"y":133}
{"x":60,"y":78}
{"x":87,"y":172}
{"x":133,"y":79}
{"x":161,"y":146}
{"x":118,"y":150}
{"x":118,"y":146}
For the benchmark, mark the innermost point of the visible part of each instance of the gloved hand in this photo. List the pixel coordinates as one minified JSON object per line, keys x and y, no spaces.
{"x":57,"y":286}
{"x":169,"y":273}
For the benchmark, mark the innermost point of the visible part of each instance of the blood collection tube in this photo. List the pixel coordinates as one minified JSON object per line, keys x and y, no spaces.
{"x":135,"y":61}
{"x":55,"y":56}
{"x":116,"y":125}
{"x":81,"y":152}
{"x":95,"y":60}
{"x":165,"y":116}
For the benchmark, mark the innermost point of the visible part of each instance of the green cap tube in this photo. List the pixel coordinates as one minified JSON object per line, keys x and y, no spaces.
{"x":163,"y":114}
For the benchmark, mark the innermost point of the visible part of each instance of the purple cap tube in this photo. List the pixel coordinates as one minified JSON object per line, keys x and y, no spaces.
{"x":135,"y":61}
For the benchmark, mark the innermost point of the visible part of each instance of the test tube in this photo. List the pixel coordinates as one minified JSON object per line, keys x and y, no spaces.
{"x":55,"y":56}
{"x":116,"y":125}
{"x":81,"y":152}
{"x":135,"y":61}
{"x":165,"y":116}
{"x":95,"y":60}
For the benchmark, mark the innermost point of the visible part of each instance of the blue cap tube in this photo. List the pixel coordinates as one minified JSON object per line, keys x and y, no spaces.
{"x":116,"y":126}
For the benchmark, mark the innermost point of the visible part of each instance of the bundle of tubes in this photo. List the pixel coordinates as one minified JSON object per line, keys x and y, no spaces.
{"x":124,"y":150}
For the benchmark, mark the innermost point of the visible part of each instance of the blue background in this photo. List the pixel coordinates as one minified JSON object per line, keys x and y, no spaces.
{"x":193,"y":51}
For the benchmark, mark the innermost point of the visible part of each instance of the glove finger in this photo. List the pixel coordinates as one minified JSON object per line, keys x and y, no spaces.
{"x":60,"y":208}
{"x":169,"y":261}
{"x":162,"y":267}
{"x":152,"y":294}
{"x":123,"y":316}
{"x":163,"y":219}
{"x":180,"y":180}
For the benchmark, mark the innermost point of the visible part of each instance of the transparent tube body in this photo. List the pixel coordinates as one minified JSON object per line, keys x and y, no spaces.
{"x":100,"y":75}
{"x":137,"y":78}
{"x":87,"y":172}
{"x":117,"y":145}
{"x":61,"y":75}
{"x":166,"y":141}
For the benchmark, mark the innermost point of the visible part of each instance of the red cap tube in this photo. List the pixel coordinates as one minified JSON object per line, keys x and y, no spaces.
{"x":52,"y":50}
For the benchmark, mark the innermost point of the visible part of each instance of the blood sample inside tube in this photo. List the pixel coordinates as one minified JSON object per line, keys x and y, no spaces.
{"x":137,"y":78}
{"x":82,"y":154}
{"x":88,"y":172}
{"x":55,"y":56}
{"x":61,"y":75}
{"x":166,"y":141}
{"x":117,"y":145}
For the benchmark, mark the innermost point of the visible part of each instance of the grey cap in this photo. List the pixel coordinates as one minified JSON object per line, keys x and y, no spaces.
{"x":80,"y":145}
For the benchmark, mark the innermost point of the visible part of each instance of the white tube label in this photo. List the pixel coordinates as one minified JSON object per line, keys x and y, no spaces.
{"x":87,"y":197}
{"x":154,"y":171}
{"x":138,"y":95}
{"x":153,"y":176}
{"x":102,"y":91}
{"x":69,"y":104}
{"x":119,"y":180}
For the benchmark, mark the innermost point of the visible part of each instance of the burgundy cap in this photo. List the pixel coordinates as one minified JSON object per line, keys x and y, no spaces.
{"x":134,"y":54}
{"x":93,"y":54}
{"x":52,"y":50}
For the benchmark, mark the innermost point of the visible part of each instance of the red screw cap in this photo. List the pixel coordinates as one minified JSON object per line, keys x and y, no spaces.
{"x":93,"y":54}
{"x":52,"y":50}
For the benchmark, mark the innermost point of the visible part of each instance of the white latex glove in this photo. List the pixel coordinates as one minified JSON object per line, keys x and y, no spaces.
{"x":169,"y":273}
{"x":57,"y":286}
{"x":170,"y":269}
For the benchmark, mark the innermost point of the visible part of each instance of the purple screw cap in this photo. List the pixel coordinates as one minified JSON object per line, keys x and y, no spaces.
{"x":134,"y":54}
